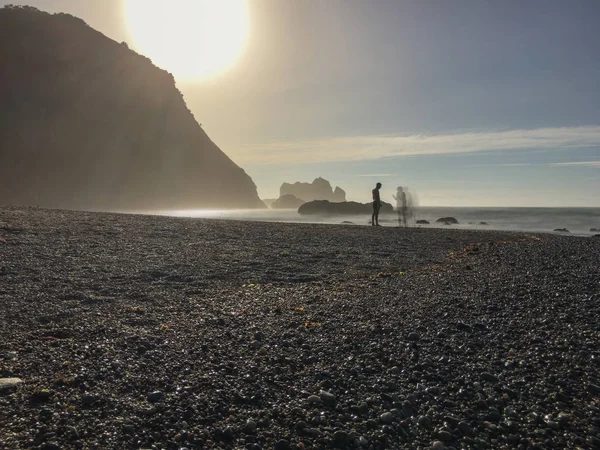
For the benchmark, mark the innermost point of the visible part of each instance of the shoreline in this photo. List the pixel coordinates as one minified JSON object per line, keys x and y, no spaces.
{"x":133,"y":331}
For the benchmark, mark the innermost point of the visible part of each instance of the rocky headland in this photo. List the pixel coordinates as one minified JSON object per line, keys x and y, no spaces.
{"x":87,"y":123}
{"x":131,"y":331}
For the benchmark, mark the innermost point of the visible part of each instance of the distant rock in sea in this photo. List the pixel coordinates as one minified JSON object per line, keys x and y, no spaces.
{"x":422,"y":222}
{"x":287,"y":202}
{"x":319,"y":189}
{"x":483,"y":223}
{"x":594,"y":229}
{"x":342,"y":208}
{"x":87,"y":123}
{"x":561,"y":230}
{"x":447,"y":220}
{"x":268,"y":201}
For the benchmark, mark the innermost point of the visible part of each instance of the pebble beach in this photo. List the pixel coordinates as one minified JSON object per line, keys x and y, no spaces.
{"x":126,"y":331}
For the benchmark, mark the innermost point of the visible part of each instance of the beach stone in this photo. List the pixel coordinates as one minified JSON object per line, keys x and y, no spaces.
{"x":465,"y":428}
{"x":438,"y":445}
{"x":387,"y":417}
{"x":493,"y":415}
{"x":341,"y":439}
{"x":156,"y":396}
{"x":8,"y":383}
{"x":250,"y":426}
{"x":424,"y":421}
{"x":593,"y":388}
{"x":327,"y":397}
{"x":487,"y":376}
{"x":313,"y":400}
{"x":444,"y":436}
{"x":227,"y":434}
{"x":282,"y":444}
{"x":414,"y":336}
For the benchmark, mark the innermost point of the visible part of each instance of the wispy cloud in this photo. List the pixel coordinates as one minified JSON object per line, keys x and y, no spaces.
{"x":378,"y":174}
{"x":578,"y":163}
{"x":361,"y":148}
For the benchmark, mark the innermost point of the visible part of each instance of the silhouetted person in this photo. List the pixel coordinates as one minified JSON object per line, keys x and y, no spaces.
{"x":401,"y":206}
{"x":376,"y":205}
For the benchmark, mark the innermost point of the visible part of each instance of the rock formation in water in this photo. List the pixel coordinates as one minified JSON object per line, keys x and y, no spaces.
{"x":88,"y":123}
{"x":447,"y":221}
{"x":319,"y":189}
{"x":344,"y":208}
{"x":287,"y":202}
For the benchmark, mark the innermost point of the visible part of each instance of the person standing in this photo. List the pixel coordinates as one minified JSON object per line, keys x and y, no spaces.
{"x":376,"y":205}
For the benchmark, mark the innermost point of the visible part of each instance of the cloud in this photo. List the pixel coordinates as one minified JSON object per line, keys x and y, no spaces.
{"x":378,"y":175}
{"x":361,"y":148}
{"x":578,"y":163}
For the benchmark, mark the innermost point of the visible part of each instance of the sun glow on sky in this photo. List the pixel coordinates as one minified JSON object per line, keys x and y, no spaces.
{"x":193,"y":39}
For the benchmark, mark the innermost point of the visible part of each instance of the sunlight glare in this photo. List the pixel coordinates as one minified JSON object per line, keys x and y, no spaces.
{"x":193,"y":39}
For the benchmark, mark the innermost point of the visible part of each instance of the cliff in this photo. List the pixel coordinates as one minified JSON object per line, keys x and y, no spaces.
{"x":319,"y":189}
{"x":87,"y":123}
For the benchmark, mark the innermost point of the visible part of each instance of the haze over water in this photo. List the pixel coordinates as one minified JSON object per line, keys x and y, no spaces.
{"x":578,"y":221}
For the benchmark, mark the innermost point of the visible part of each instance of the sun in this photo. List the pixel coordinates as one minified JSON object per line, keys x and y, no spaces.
{"x":192,"y":39}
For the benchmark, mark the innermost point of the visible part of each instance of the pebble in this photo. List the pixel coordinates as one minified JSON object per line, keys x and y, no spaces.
{"x":8,"y":383}
{"x":282,"y":444}
{"x":387,"y":417}
{"x":424,"y":421}
{"x":414,"y":336}
{"x":250,"y":426}
{"x":154,"y":397}
{"x":327,"y":397}
{"x":487,"y":376}
{"x":438,"y":445}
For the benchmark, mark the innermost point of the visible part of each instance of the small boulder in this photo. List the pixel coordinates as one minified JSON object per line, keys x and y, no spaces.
{"x":447,"y":221}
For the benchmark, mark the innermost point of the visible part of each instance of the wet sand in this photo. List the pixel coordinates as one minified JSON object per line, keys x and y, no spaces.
{"x":134,"y":331}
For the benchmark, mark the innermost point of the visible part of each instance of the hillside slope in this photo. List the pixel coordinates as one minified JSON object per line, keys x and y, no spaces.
{"x":85,"y":122}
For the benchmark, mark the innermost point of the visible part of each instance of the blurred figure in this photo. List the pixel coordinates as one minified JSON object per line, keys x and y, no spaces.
{"x":401,"y":206}
{"x":376,"y":205}
{"x":406,"y":206}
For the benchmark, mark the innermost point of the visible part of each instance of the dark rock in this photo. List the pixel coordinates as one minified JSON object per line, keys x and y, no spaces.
{"x":155,"y":397}
{"x":345,"y":208}
{"x":287,"y":202}
{"x":444,"y":436}
{"x":422,"y":222}
{"x":414,"y":336}
{"x":594,"y":229}
{"x":228,"y":434}
{"x":486,"y":376}
{"x":282,"y":444}
{"x":387,"y":417}
{"x":447,"y":220}
{"x":483,"y":223}
{"x":424,"y":421}
{"x":341,"y":439}
{"x":561,"y":230}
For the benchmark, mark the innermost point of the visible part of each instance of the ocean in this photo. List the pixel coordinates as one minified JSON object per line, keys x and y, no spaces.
{"x":578,"y":221}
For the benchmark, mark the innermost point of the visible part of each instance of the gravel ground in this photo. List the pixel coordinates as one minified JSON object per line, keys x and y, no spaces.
{"x":154,"y":332}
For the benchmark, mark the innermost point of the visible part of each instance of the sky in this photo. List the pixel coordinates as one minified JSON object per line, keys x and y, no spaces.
{"x":466,"y":102}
